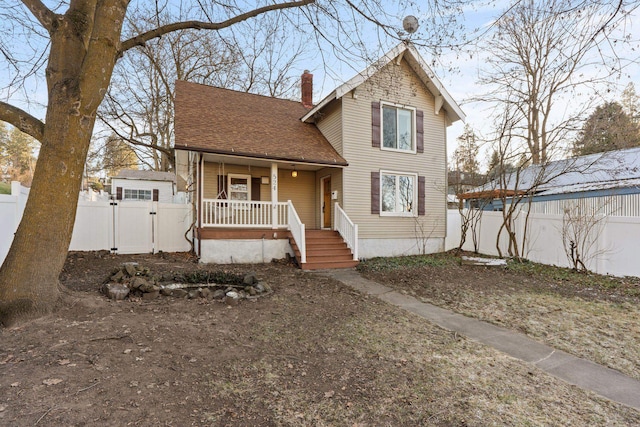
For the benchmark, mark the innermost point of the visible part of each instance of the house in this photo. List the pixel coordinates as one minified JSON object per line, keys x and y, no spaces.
{"x":608,"y":182}
{"x":360,"y":174}
{"x":132,"y":184}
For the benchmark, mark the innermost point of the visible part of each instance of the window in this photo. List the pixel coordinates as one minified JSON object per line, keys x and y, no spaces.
{"x":239,"y":187}
{"x":397,"y":128}
{"x":134,"y":194}
{"x":397,"y":194}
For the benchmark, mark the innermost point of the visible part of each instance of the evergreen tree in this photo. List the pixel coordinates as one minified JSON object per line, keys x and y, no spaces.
{"x":118,"y":155}
{"x":630,"y":102}
{"x":608,"y":128}
{"x":17,"y":160}
{"x":465,"y":157}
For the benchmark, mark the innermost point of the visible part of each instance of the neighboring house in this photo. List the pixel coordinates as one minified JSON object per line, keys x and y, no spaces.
{"x":132,"y":184}
{"x":607,"y":182}
{"x":366,"y":165}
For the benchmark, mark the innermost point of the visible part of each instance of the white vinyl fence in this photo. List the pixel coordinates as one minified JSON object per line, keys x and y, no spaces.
{"x":125,"y":227}
{"x":616,"y":249}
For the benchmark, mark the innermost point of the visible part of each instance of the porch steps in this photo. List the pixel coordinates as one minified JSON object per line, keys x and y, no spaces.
{"x":325,"y":249}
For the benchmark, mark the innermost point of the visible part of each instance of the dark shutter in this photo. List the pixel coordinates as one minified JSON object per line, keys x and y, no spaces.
{"x":118,"y":193}
{"x":375,"y":124}
{"x":419,"y":131}
{"x":421,"y":195}
{"x":222,"y":187}
{"x":255,"y":189}
{"x":156,"y":194}
{"x":375,"y":192}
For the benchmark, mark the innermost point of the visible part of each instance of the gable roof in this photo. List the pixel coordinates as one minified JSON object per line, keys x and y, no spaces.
{"x":599,"y":171}
{"x":145,"y":175}
{"x":404,"y":50}
{"x":222,"y":121}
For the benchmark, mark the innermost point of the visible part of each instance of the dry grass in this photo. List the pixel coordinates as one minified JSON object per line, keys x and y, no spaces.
{"x":313,"y":353}
{"x":590,"y":316}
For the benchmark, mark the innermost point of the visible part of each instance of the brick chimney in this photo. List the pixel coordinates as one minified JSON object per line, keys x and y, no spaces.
{"x":307,"y":89}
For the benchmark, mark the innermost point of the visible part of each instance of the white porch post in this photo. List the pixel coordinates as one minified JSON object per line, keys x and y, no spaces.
{"x":200,"y":176}
{"x":274,"y":195}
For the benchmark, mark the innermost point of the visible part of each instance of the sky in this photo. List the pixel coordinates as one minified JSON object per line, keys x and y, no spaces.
{"x":457,"y":70}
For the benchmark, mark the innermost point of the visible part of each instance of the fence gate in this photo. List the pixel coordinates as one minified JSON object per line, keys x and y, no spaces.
{"x":134,"y":227}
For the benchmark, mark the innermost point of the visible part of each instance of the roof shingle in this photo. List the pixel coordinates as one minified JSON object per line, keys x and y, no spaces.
{"x":223,"y":121}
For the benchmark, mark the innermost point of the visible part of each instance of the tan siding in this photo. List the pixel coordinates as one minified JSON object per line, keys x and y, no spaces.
{"x":301,"y":191}
{"x":331,"y":125}
{"x":405,"y":88}
{"x":212,"y":170}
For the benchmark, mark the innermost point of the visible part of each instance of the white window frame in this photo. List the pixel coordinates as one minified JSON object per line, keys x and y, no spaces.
{"x":414,"y":148}
{"x":414,"y":202}
{"x":230,"y":191}
{"x":137,"y":194}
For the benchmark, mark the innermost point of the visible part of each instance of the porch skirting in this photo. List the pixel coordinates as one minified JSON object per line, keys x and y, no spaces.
{"x":250,"y":246}
{"x":370,"y":248}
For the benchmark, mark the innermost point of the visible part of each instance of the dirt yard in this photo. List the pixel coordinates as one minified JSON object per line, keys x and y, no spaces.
{"x":311,"y":353}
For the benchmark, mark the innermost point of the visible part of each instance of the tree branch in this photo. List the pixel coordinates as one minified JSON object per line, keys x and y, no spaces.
{"x":42,"y":13}
{"x":22,"y":120}
{"x":141,"y":39}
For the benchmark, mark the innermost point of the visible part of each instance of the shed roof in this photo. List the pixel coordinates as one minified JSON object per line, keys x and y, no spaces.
{"x":222,"y":121}
{"x":146,"y":175}
{"x":600,"y":171}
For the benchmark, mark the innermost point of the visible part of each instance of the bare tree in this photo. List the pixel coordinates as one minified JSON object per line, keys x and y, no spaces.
{"x":582,"y":225}
{"x":542,"y":52}
{"x":139,"y":105}
{"x":464,"y":177}
{"x":84,"y":43}
{"x":73,"y":47}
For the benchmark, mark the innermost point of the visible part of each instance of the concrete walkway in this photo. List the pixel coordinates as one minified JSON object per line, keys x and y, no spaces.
{"x":574,"y":370}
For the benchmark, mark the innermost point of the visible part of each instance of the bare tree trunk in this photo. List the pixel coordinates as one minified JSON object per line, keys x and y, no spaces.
{"x":83,"y":52}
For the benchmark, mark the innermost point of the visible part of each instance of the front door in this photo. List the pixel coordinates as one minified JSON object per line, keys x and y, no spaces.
{"x":326,"y":202}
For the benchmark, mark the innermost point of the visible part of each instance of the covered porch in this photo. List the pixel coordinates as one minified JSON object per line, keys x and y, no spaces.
{"x":254,"y":210}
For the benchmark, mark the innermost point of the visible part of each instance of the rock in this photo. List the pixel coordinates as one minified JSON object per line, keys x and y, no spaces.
{"x":149,"y":287}
{"x":116,"y":291}
{"x":150,"y":295}
{"x":117,"y":277}
{"x":130,"y":268}
{"x":250,"y":279}
{"x":205,"y":293}
{"x":219,"y":294}
{"x":251,"y":291}
{"x":232,"y":298}
{"x":259,"y":287}
{"x":179,"y":293}
{"x":193,"y":294}
{"x":166,"y":292}
{"x":138,"y":283}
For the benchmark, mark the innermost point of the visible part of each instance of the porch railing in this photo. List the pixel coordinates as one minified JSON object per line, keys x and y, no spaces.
{"x":242,"y":213}
{"x":296,"y":227}
{"x":347,"y":229}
